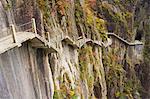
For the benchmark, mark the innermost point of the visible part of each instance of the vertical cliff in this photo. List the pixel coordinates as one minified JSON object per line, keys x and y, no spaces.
{"x":115,"y":68}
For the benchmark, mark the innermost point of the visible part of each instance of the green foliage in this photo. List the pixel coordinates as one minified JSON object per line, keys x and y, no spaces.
{"x":79,"y":18}
{"x":65,"y":92}
{"x":119,"y":15}
{"x":56,"y":95}
{"x":117,"y":1}
{"x":90,"y":69}
{"x":74,"y":97}
{"x":116,"y":77}
{"x":89,"y":64}
{"x":43,"y":5}
{"x":7,"y":7}
{"x":94,"y":22}
{"x":83,"y":62}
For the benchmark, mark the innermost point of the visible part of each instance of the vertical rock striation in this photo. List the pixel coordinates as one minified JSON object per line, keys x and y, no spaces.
{"x":87,"y":72}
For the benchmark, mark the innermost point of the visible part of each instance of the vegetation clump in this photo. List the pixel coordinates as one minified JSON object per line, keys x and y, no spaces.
{"x":121,"y":82}
{"x":92,"y":19}
{"x":90,"y":69}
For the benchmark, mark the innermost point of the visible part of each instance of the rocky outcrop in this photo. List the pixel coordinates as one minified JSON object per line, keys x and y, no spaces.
{"x":90,"y":71}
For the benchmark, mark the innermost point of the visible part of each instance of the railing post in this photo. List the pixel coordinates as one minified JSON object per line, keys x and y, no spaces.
{"x":62,"y":35}
{"x":34,"y":26}
{"x":56,"y":41}
{"x":14,"y":36}
{"x":48,"y":36}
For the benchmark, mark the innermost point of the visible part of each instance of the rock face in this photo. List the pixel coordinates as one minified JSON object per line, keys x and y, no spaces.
{"x":93,"y":70}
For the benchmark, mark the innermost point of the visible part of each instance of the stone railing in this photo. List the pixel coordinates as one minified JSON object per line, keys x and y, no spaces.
{"x":125,"y":41}
{"x":31,"y":27}
{"x":13,"y":30}
{"x":136,"y":47}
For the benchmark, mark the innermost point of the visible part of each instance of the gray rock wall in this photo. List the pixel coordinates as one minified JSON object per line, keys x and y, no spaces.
{"x":20,"y":76}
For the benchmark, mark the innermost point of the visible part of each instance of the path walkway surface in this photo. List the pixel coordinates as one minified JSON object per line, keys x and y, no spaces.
{"x":125,"y":41}
{"x":7,"y":43}
{"x":16,"y":38}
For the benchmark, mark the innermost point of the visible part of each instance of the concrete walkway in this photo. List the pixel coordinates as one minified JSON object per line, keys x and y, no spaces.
{"x":16,"y":38}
